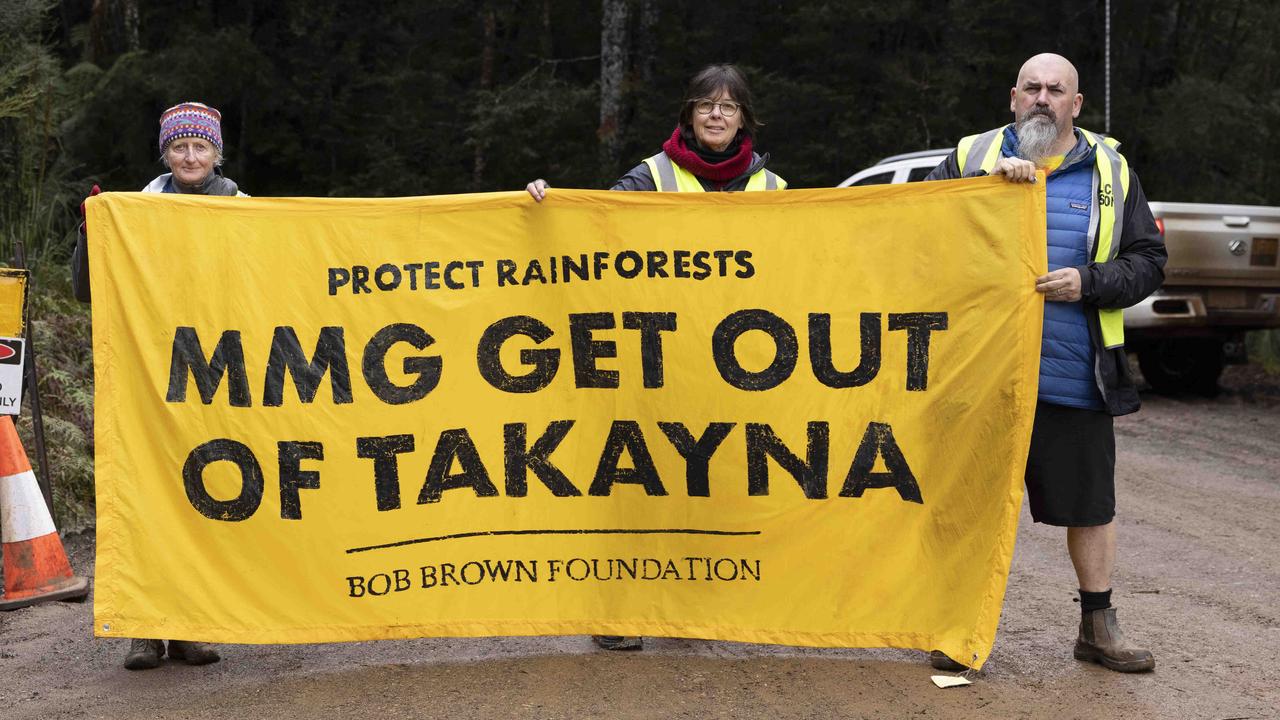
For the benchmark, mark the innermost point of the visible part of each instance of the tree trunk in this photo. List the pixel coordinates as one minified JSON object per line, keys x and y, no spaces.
{"x":66,"y":24}
{"x":544,"y":41}
{"x":113,"y":28}
{"x":613,"y":64}
{"x":98,"y":31}
{"x":130,"y":13}
{"x":1235,"y":39}
{"x":489,"y":19}
{"x":246,"y":101}
{"x":1179,"y":20}
{"x":647,"y":41}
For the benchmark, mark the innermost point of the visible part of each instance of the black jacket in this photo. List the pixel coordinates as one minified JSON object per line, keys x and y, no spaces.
{"x":1135,"y":272}
{"x":80,"y":267}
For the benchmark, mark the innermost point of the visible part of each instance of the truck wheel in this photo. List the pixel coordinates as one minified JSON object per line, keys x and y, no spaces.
{"x":1178,"y":367}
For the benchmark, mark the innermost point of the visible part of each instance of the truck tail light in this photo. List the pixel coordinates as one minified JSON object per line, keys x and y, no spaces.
{"x":1160,"y":226}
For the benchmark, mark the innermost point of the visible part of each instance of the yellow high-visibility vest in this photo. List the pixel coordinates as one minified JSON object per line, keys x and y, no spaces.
{"x":981,"y":152}
{"x":670,"y":177}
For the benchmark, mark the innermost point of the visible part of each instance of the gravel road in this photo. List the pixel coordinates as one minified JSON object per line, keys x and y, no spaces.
{"x":1198,"y":582}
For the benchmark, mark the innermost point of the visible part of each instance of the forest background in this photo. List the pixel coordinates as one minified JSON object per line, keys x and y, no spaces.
{"x":406,"y":97}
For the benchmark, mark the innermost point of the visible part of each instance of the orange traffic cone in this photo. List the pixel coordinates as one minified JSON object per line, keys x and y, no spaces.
{"x":35,"y":565}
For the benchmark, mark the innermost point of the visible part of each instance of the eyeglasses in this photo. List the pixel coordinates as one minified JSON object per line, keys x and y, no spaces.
{"x":728,"y":108}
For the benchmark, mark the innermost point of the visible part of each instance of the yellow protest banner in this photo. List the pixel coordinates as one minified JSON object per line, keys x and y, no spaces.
{"x":793,"y":417}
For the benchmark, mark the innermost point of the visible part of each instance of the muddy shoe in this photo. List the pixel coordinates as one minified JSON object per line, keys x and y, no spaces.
{"x":192,"y":653}
{"x":1102,"y":642}
{"x":144,"y":654}
{"x":941,"y":661}
{"x":619,"y":642}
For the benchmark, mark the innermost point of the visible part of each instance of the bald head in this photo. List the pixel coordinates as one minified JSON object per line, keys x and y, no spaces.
{"x":1051,"y":65}
{"x":1045,"y":102}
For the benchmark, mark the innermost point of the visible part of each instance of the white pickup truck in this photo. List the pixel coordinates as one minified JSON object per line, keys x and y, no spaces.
{"x":1222,"y":280}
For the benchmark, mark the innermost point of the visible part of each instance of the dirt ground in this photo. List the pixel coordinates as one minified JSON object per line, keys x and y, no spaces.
{"x":1198,"y":582}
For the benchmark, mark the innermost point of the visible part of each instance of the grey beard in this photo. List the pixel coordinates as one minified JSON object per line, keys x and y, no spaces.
{"x":1036,"y":138}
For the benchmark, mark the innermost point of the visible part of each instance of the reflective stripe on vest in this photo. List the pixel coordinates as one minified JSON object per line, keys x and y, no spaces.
{"x":979,"y":152}
{"x":1106,"y":223}
{"x":670,"y":177}
{"x":1112,"y":176}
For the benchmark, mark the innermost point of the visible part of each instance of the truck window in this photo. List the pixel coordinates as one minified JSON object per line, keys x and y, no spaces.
{"x":918,"y":174}
{"x":883,"y":178}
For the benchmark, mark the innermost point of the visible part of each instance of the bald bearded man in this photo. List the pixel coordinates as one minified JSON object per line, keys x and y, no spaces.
{"x":1105,"y":253}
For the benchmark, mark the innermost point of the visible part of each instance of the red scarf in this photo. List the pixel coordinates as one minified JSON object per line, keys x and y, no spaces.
{"x":721,"y":172}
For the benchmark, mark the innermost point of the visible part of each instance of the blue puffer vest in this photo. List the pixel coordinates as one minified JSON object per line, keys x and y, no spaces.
{"x":1066,"y":352}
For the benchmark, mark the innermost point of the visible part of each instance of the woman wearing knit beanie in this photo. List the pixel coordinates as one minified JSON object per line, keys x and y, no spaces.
{"x":711,"y":147}
{"x":709,"y":151}
{"x":191,"y":148}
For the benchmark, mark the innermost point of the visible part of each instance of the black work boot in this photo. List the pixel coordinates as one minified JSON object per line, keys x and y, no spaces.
{"x":942,"y":661}
{"x":619,"y":642}
{"x":144,"y":654}
{"x":1101,"y":641}
{"x":193,"y":653}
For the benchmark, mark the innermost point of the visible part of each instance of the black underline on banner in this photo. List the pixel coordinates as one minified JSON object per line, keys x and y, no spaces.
{"x":606,"y":531}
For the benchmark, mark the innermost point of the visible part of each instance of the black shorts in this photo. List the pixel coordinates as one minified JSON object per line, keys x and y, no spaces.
{"x":1071,"y":467}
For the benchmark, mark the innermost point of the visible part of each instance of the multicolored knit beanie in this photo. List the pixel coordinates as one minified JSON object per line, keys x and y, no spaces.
{"x":191,"y":119}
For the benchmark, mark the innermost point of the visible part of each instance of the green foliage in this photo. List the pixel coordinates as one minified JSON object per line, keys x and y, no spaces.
{"x":60,"y":331}
{"x":520,"y":111}
{"x":37,"y":204}
{"x":34,"y":195}
{"x":328,"y":98}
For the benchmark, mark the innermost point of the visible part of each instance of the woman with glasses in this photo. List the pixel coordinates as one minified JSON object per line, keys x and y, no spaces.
{"x":191,"y":149}
{"x":711,"y":149}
